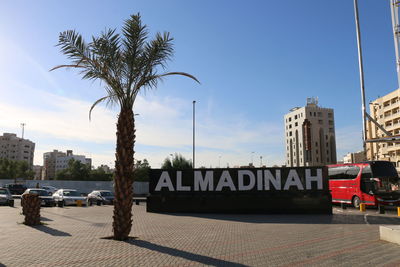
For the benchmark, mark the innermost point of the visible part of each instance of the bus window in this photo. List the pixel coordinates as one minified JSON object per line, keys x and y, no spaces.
{"x":352,"y":172}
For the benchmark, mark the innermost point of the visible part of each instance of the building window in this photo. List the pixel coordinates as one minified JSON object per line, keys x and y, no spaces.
{"x":295,"y":117}
{"x":295,"y":124}
{"x":319,"y":121}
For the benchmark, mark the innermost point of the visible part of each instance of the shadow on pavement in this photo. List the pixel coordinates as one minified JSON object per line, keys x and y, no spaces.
{"x":297,"y":219}
{"x":45,"y":219}
{"x":183,"y":254}
{"x":2,"y":265}
{"x":50,"y":231}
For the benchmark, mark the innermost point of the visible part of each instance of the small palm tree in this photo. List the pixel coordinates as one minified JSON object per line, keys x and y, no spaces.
{"x":126,"y":64}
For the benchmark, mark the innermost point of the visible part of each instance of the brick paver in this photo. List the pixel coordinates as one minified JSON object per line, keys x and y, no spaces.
{"x":72,"y":236}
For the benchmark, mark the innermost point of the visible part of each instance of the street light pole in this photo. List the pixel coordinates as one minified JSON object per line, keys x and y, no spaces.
{"x":260,"y":161}
{"x":361,"y":69}
{"x":194,"y":105}
{"x":252,"y":153}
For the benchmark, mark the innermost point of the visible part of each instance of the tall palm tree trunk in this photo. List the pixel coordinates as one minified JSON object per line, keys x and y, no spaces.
{"x":124,"y":174}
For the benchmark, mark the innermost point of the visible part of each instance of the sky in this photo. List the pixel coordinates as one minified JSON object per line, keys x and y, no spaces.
{"x":255,"y":60}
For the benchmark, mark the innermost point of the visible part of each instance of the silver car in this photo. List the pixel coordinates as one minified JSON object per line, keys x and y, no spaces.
{"x":101,"y":197}
{"x":69,"y":197}
{"x":6,"y":197}
{"x":49,"y":188}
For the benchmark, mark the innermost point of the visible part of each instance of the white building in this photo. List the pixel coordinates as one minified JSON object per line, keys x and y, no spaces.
{"x":15,"y":148}
{"x":310,"y":135}
{"x":56,"y":160}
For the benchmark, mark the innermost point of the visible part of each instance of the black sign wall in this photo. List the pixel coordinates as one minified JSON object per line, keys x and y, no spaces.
{"x":267,"y":190}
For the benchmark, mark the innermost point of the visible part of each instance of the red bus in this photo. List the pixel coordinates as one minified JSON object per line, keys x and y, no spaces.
{"x":373,"y":183}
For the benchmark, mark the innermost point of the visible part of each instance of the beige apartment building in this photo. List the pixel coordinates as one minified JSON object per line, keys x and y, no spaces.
{"x":310,"y":135}
{"x":56,"y":160}
{"x":15,"y":148}
{"x":386,"y":111}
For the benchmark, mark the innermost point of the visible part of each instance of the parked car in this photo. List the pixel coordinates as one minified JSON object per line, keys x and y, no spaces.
{"x":45,"y":197}
{"x":49,"y":188}
{"x":101,"y":196}
{"x":6,"y":197}
{"x":68,"y":197}
{"x":16,"y":189}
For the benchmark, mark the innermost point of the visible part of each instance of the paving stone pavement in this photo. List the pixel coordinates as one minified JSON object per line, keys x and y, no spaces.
{"x":72,"y":236}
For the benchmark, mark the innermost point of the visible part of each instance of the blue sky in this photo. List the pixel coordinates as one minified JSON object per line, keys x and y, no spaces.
{"x":255,"y":60}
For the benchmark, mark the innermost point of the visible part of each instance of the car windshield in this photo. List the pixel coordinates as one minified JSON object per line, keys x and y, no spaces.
{"x":3,"y":192}
{"x":71,"y":193}
{"x":106,"y":194}
{"x":38,"y":192}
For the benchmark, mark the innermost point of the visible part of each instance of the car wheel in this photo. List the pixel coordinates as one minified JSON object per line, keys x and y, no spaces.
{"x":60,"y":204}
{"x":90,"y":203}
{"x":11,"y":203}
{"x":356,"y":202}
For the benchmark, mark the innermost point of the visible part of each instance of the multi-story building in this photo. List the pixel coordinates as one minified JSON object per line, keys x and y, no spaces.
{"x":56,"y":160}
{"x":15,"y":148}
{"x":386,"y":111}
{"x":310,"y":135}
{"x":355,"y":157}
{"x":38,"y":172}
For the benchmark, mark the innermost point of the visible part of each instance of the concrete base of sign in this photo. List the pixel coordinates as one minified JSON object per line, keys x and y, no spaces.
{"x":390,"y":233}
{"x":318,"y":203}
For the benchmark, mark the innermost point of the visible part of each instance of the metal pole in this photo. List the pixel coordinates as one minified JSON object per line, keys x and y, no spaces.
{"x":361,"y":69}
{"x":194,"y":105}
{"x":395,"y":24}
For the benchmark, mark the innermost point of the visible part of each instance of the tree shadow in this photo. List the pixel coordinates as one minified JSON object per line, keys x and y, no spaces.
{"x":45,"y":219}
{"x":183,"y":254}
{"x":2,"y":265}
{"x":50,"y":231}
{"x":297,"y":219}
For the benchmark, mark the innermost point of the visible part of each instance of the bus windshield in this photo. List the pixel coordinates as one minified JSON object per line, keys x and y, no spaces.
{"x":379,"y":177}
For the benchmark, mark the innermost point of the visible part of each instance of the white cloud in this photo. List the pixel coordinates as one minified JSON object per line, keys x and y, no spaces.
{"x":165,"y":123}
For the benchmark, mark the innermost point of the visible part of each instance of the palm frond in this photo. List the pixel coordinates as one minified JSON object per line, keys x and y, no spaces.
{"x":98,"y":101}
{"x":135,"y":35}
{"x":180,"y":73}
{"x":66,"y":66}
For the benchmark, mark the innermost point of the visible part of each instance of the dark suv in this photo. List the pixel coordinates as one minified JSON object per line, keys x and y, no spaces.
{"x":16,"y":189}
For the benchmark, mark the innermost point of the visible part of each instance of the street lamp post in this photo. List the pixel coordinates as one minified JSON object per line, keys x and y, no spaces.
{"x":252,"y":154}
{"x":194,"y":105}
{"x":260,"y":161}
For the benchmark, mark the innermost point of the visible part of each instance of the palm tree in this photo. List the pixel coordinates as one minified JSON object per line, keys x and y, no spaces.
{"x":126,"y":63}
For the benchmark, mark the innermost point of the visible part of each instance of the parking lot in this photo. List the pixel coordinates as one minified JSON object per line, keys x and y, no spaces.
{"x":74,"y":236}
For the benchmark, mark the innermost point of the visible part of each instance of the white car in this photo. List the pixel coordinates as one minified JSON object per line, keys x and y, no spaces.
{"x":69,"y":197}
